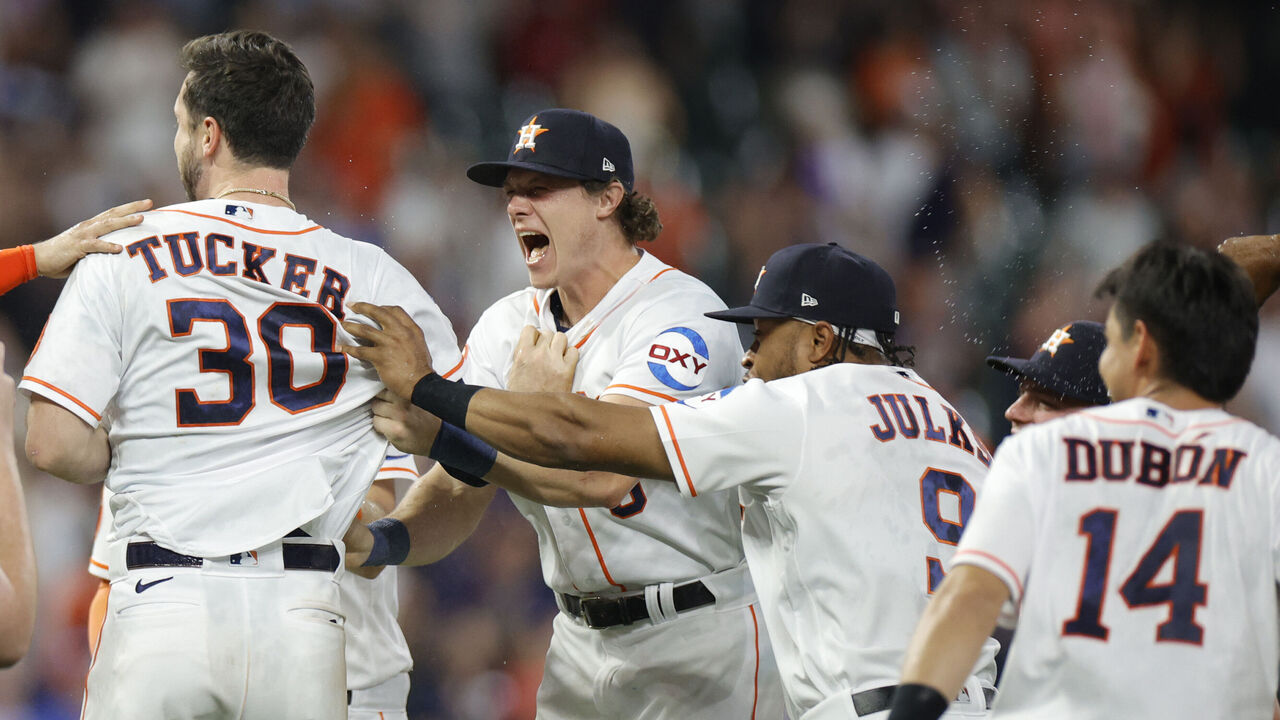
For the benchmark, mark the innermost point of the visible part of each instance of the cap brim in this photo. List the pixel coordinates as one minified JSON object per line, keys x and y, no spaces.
{"x":494,"y":174}
{"x":744,"y":314}
{"x":1012,"y":366}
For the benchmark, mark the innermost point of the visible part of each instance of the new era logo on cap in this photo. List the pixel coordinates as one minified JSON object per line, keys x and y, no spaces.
{"x":607,"y":166}
{"x":807,"y":300}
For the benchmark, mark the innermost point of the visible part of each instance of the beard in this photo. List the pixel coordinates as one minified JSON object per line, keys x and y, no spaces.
{"x":190,"y":171}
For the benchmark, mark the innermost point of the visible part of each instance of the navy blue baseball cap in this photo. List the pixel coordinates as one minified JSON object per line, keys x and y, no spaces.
{"x":566,"y":143}
{"x":1067,"y":363}
{"x":821,"y":282}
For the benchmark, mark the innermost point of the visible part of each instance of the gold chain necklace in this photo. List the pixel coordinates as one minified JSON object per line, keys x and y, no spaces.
{"x":275,"y":195}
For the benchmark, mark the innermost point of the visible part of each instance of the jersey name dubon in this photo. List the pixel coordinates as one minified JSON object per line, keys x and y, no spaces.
{"x":214,"y":252}
{"x":678,"y":357}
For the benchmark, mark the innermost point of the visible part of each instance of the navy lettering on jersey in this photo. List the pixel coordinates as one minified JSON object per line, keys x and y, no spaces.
{"x":1154,"y":469}
{"x":884,"y":432}
{"x":1155,"y":466}
{"x":931,"y":431}
{"x":958,"y":436}
{"x":902,"y":414}
{"x":147,"y":248}
{"x":211,"y":242}
{"x":1223,"y":468}
{"x":176,"y":242}
{"x":1082,"y":460}
{"x":297,"y":270}
{"x":1186,"y":463}
{"x":333,"y":292}
{"x":255,"y":256}
{"x":1117,"y":459}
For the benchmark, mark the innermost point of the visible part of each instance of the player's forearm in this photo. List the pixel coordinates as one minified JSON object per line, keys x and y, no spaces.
{"x":560,"y":488}
{"x":63,"y":445}
{"x":950,"y":634}
{"x":17,"y":566}
{"x":439,"y":513}
{"x":561,"y":430}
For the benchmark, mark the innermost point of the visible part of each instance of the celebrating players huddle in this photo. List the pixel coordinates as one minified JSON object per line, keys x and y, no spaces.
{"x":826,"y":537}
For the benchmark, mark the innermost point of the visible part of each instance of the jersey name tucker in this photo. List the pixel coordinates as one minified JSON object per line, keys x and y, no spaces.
{"x":1149,"y":464}
{"x":214,"y":252}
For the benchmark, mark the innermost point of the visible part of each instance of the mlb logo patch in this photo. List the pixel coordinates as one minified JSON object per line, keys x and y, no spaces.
{"x":678,"y":358}
{"x":239,"y":211}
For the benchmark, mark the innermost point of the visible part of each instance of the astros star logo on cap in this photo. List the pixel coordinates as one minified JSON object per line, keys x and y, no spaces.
{"x":525,"y":140}
{"x":1061,"y":336}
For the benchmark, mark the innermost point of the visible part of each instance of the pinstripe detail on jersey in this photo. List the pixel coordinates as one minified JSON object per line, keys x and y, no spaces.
{"x":465,"y":349}
{"x":616,"y":305}
{"x":64,"y":394}
{"x":599,"y":556}
{"x":688,"y":481}
{"x":250,"y":228}
{"x":755,"y":683}
{"x":637,"y":388}
{"x":1167,"y":433}
{"x":988,"y":556}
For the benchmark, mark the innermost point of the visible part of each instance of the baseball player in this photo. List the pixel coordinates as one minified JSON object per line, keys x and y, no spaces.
{"x":377,"y":656}
{"x":1060,"y":378}
{"x":56,"y":256}
{"x":208,"y":390}
{"x":1138,"y":541}
{"x":653,"y":590}
{"x":857,"y":477}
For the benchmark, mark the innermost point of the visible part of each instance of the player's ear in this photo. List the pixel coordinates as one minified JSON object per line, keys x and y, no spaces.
{"x":211,"y":137}
{"x":1146,"y":356}
{"x":610,"y":199}
{"x":821,"y":342}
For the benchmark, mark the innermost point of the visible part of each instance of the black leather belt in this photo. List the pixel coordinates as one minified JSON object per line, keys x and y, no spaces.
{"x":297,"y":556}
{"x":879,"y":699}
{"x":610,"y":612}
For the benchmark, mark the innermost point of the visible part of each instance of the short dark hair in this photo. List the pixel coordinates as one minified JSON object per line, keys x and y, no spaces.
{"x":1198,"y":306}
{"x":637,"y":214}
{"x":258,"y":91}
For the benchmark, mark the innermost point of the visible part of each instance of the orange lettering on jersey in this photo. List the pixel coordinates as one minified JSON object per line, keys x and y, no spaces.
{"x":211,"y":242}
{"x":333,"y":293}
{"x":176,"y":242}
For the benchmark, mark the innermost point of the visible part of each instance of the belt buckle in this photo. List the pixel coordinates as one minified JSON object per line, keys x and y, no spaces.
{"x":600,"y":613}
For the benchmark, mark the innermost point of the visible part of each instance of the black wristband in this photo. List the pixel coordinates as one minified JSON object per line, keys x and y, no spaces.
{"x":912,"y":701}
{"x":464,"y":455}
{"x":390,"y":542}
{"x":445,"y":399}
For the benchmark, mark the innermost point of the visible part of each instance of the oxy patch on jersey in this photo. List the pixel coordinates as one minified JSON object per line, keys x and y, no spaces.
{"x":678,"y":357}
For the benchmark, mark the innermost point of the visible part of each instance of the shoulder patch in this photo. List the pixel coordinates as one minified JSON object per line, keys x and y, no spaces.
{"x":678,"y":358}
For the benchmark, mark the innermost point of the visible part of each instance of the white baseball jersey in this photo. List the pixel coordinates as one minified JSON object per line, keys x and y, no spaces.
{"x":646,"y":339}
{"x":862,"y":478}
{"x":210,"y":345}
{"x":1142,"y":545}
{"x":376,"y":649}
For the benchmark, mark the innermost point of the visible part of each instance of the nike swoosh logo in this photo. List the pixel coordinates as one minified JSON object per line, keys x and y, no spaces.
{"x":141,"y":586}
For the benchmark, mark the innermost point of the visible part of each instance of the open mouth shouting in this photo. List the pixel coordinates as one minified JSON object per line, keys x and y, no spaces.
{"x":535,"y":246}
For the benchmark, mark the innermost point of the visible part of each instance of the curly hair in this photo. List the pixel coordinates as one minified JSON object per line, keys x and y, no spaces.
{"x":637,"y":214}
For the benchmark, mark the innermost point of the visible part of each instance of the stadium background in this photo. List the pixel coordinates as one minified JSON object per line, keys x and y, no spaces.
{"x":996,"y":157}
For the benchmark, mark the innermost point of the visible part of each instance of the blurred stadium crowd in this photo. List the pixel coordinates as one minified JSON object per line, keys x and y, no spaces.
{"x":995,"y":156}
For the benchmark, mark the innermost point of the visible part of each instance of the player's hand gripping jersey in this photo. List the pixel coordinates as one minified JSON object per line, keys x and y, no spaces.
{"x":857,"y":481}
{"x":1155,"y":538}
{"x":646,"y":339}
{"x":209,"y":348}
